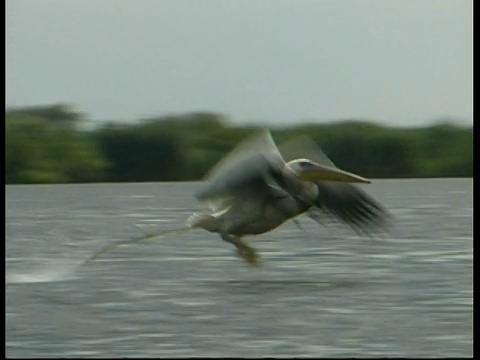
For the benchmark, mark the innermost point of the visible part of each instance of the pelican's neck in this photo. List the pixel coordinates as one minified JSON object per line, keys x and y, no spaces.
{"x":306,"y":190}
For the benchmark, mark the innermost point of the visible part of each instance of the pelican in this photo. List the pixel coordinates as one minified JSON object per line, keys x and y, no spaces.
{"x":259,"y":186}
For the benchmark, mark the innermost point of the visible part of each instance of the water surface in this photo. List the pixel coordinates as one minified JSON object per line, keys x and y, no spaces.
{"x":320,"y":292}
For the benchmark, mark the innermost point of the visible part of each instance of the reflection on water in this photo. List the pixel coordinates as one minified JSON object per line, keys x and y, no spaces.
{"x":321,"y":291}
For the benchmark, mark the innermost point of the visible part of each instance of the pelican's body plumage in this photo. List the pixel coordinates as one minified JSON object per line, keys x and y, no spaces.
{"x":256,"y":188}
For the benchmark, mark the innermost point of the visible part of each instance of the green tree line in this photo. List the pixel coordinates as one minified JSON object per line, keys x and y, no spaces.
{"x":48,"y":144}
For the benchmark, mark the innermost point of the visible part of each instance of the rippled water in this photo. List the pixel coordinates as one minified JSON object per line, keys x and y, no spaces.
{"x":320,"y":292}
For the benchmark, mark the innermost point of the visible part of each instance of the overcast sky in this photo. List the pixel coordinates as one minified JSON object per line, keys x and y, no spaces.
{"x":401,"y":62}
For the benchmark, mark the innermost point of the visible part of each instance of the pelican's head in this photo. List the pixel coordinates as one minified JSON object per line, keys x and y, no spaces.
{"x":309,"y":170}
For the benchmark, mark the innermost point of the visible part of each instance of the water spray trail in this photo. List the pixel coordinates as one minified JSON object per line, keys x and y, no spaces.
{"x":149,"y":236}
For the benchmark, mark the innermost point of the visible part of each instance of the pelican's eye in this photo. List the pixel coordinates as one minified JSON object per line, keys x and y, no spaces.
{"x":305,"y":163}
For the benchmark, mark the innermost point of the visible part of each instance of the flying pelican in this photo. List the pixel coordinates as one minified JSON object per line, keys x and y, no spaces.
{"x":255,"y":189}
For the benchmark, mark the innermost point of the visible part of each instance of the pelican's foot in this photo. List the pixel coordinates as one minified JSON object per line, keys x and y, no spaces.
{"x":249,"y":254}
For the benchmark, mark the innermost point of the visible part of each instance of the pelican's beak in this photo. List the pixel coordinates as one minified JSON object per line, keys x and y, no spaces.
{"x":317,"y":172}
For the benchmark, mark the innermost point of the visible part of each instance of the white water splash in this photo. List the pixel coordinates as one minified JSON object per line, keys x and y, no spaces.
{"x":49,"y":273}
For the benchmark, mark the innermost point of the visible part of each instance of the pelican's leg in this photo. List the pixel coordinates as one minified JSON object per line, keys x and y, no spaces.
{"x":246,"y":252}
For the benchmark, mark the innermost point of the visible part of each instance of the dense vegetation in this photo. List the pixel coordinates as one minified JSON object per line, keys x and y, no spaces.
{"x":48,"y":145}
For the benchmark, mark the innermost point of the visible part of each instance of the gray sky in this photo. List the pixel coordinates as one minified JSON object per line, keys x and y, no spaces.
{"x":401,"y":62}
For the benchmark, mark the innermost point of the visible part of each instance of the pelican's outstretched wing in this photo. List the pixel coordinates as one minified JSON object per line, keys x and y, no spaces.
{"x":345,"y":202}
{"x":246,"y":174}
{"x":350,"y":205}
{"x":304,"y":147}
